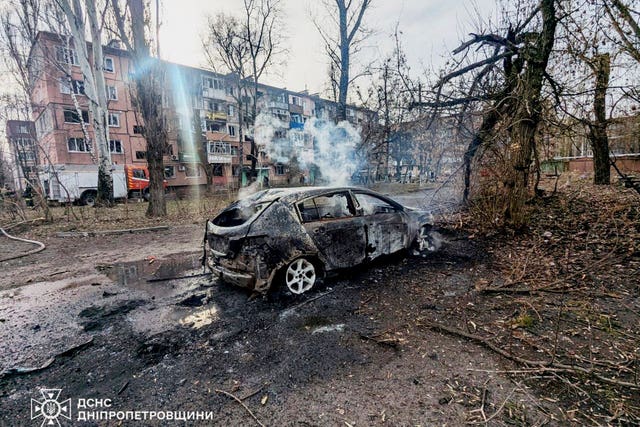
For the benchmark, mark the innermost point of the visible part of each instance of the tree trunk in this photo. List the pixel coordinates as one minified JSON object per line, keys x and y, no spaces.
{"x":94,"y":85}
{"x":527,"y":117}
{"x":148,"y":99}
{"x":343,"y":86}
{"x":240,"y":135}
{"x":100,"y":113}
{"x":598,"y":130}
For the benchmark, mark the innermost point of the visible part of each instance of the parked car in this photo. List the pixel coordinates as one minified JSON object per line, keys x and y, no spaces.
{"x":292,"y":237}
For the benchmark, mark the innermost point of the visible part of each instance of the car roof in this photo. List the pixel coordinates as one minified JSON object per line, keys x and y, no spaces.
{"x":293,"y":194}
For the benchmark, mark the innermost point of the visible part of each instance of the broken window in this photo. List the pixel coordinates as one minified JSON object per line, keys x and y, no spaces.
{"x":372,"y":205}
{"x":141,"y":155}
{"x":72,"y":116}
{"x":78,"y":145}
{"x":218,"y":169}
{"x":326,"y":207}
{"x":169,"y":172}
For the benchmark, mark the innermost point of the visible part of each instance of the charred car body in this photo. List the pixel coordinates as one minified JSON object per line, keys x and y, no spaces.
{"x":293,"y":236}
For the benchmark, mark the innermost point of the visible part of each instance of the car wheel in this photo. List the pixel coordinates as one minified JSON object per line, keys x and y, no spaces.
{"x":89,"y":198}
{"x":300,"y":276}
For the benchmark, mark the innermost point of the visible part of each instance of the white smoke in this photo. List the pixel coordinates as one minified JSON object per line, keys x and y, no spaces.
{"x":327,"y":148}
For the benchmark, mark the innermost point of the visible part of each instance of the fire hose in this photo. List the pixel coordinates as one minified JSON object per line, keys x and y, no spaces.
{"x":41,"y":246}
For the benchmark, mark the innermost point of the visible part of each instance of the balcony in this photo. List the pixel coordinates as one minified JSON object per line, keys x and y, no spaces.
{"x":209,"y":92}
{"x":296,"y":125}
{"x":216,"y":116}
{"x":279,"y":105}
{"x":296,"y":109}
{"x":219,"y":158}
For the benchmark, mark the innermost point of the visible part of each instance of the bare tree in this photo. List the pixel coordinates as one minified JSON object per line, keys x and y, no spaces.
{"x":625,"y":19}
{"x":246,"y":48}
{"x":511,"y":95}
{"x":92,"y":66}
{"x":583,"y":70}
{"x":21,"y":21}
{"x":147,"y":96}
{"x":342,"y":42}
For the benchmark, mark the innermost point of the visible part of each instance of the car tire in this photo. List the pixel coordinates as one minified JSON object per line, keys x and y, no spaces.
{"x":89,"y":198}
{"x":300,"y":275}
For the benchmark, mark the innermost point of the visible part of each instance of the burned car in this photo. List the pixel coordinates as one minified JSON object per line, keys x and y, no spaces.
{"x":292,"y":237}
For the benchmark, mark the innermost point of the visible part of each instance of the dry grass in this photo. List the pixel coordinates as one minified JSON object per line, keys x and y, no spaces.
{"x":131,"y":214}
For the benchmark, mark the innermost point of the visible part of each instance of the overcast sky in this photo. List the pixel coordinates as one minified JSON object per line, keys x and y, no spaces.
{"x":430,"y":29}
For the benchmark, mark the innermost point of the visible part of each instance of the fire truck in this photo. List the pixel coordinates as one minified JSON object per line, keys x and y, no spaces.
{"x":79,"y":183}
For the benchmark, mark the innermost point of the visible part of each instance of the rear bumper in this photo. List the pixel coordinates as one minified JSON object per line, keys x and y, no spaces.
{"x":242,"y":279}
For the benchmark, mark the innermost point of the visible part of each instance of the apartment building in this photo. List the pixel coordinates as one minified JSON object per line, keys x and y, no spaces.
{"x":21,"y":137}
{"x":570,"y":148}
{"x":203,"y":115}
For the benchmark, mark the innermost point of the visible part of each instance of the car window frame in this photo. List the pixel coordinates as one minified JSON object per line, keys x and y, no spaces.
{"x":351,"y":205}
{"x":360,"y":209}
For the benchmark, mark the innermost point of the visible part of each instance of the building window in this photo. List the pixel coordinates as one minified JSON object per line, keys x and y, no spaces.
{"x":234,"y":150}
{"x":138,"y":130}
{"x":78,"y":145}
{"x":218,"y":169}
{"x":23,"y":129}
{"x":141,"y":155}
{"x":229,"y":91}
{"x":115,"y":146}
{"x":112,"y":93}
{"x":231,"y":110}
{"x":78,"y":87}
{"x":66,"y":86}
{"x":280,"y":170}
{"x":232,"y":130}
{"x":211,"y":83}
{"x":169,"y":172}
{"x":235,"y":170}
{"x":72,"y":116}
{"x":192,"y":171}
{"x":108,"y":64}
{"x":213,"y":126}
{"x":26,"y":156}
{"x":66,"y":55}
{"x":114,"y":120}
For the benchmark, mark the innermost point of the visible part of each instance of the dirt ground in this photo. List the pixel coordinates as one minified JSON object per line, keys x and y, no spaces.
{"x":404,"y":341}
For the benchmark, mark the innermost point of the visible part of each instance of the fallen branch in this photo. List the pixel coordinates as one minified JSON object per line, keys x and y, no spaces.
{"x":540,"y":365}
{"x":226,"y":393}
{"x":390,"y":342}
{"x":41,"y":246}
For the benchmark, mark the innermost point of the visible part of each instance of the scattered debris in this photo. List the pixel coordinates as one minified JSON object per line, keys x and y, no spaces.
{"x":241,"y":403}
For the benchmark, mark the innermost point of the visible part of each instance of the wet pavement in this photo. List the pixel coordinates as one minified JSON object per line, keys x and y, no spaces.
{"x":43,"y":319}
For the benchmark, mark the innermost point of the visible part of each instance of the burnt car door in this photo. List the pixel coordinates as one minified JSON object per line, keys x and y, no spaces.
{"x":385,"y":222}
{"x":338,"y":233}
